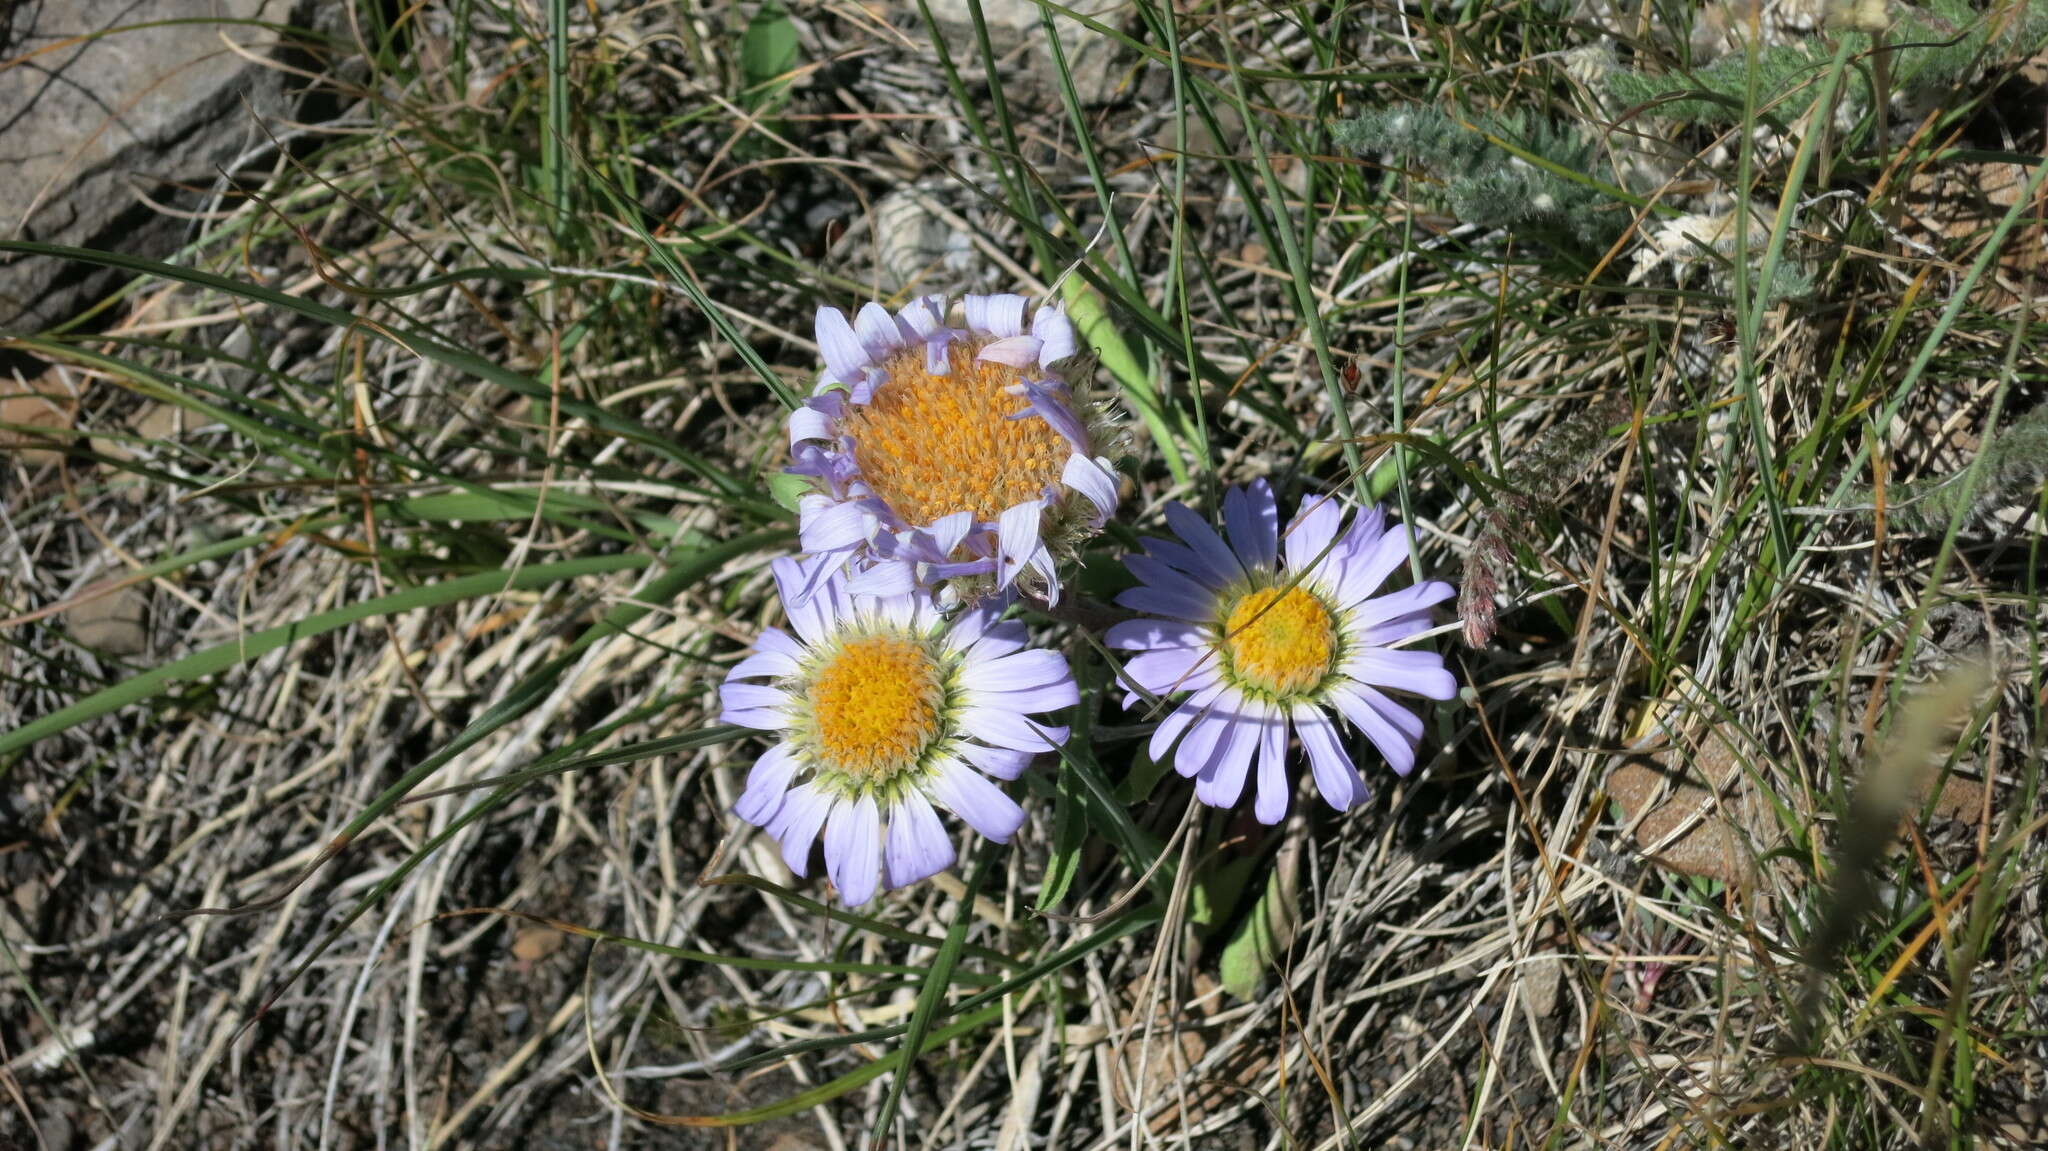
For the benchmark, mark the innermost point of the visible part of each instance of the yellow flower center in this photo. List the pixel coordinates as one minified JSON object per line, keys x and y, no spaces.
{"x":1280,"y":641}
{"x":876,"y":703}
{"x":930,"y":445}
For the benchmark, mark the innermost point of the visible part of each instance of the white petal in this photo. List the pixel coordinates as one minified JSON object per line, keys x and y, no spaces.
{"x":917,"y":846}
{"x":1216,"y":557}
{"x":808,"y":423}
{"x":1335,"y":777}
{"x":1001,"y":315}
{"x":1094,"y":479}
{"x":767,"y":784}
{"x":764,"y":665}
{"x":924,"y":315}
{"x":1220,"y":783}
{"x":796,"y":825}
{"x":981,"y":804}
{"x":824,"y":526}
{"x":813,"y":594}
{"x":1371,"y":567}
{"x":946,"y":532}
{"x":1312,"y":535}
{"x":999,"y":639}
{"x":1000,"y":762}
{"x":1418,"y":671}
{"x":884,"y":578}
{"x":1020,"y":672}
{"x":1148,"y":634}
{"x":1017,"y":533}
{"x":1015,"y":351}
{"x":853,"y":850}
{"x":1004,"y":728}
{"x":876,"y":329}
{"x":1275,"y":790}
{"x":1173,"y":725}
{"x":1055,"y":334}
{"x":1393,"y":729}
{"x":845,"y":357}
{"x":756,"y":705}
{"x":1211,"y":733}
{"x":780,"y":642}
{"x":1254,"y":522}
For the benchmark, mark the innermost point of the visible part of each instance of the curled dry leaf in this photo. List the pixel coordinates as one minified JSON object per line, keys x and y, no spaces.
{"x":34,"y":415}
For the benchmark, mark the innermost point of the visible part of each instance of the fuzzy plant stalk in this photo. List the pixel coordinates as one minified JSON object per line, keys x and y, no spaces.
{"x":1927,"y":51}
{"x":2014,"y":463}
{"x":1478,"y":180}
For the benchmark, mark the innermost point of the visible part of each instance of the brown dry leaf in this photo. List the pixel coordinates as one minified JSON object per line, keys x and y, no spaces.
{"x":533,"y":944}
{"x":1177,"y":1047}
{"x":1722,"y":840}
{"x":45,"y":402}
{"x":156,"y":423}
{"x":1950,"y":206}
{"x":1659,"y":793}
{"x":1961,"y":799}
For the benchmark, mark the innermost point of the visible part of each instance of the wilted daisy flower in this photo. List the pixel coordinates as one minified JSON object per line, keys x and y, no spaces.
{"x":956,"y":458}
{"x":1265,"y":639}
{"x":885,"y":708}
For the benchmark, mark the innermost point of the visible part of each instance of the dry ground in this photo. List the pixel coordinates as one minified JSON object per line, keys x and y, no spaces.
{"x":374,"y":612}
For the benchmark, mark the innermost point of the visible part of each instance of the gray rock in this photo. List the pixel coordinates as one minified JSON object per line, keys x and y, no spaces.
{"x":115,"y":624}
{"x":1098,"y":64}
{"x":915,"y":249}
{"x":91,"y":123}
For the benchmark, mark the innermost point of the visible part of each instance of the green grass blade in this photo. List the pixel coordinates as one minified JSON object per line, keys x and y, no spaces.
{"x":933,"y":993}
{"x":222,"y":656}
{"x":420,"y":344}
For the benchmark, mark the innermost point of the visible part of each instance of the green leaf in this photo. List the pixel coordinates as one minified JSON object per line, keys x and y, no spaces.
{"x":1069,"y":819}
{"x":1263,"y":935}
{"x":768,"y":54}
{"x":1069,"y":839}
{"x":1091,"y":320}
{"x":1144,"y":776}
{"x":787,"y":489}
{"x":1218,"y":889}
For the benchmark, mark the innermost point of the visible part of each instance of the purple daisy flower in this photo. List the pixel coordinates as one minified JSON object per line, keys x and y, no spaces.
{"x":1262,"y":639}
{"x":886,"y":710}
{"x":956,"y":458}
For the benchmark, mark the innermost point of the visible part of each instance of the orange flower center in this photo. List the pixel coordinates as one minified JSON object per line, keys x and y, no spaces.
{"x":1280,"y":641}
{"x":930,"y":445}
{"x":876,"y":703}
